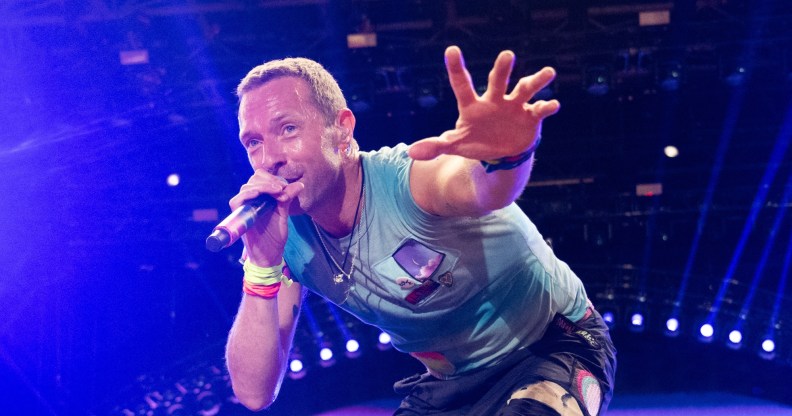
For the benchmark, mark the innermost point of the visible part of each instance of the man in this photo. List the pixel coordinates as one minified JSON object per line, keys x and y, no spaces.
{"x":424,"y":241}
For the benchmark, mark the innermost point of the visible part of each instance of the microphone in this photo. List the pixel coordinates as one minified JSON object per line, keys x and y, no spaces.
{"x":237,"y":223}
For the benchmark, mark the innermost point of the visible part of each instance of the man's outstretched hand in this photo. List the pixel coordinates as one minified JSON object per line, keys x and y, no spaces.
{"x":494,"y":124}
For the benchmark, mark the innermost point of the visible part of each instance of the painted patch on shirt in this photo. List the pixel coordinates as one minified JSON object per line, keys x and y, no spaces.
{"x":422,"y":292}
{"x":590,"y":391}
{"x":419,"y":261}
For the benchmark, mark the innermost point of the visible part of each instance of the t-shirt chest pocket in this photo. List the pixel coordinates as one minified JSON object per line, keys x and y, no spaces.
{"x":416,"y":274}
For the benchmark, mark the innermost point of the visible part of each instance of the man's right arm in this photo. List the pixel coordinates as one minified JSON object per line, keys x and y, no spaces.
{"x":257,"y":352}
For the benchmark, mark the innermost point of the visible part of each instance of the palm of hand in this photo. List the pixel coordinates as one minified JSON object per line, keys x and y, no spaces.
{"x":495,"y":124}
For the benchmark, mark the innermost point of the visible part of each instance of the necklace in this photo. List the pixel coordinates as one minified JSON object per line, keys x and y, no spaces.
{"x":342,"y":274}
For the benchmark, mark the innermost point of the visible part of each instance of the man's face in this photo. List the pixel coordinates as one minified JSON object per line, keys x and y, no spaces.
{"x":285,"y":134}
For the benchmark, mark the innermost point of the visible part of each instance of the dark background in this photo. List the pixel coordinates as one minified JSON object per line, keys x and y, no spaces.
{"x":108,"y":298}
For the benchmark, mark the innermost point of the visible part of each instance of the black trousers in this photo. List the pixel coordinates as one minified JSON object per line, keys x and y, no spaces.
{"x":578,"y":356}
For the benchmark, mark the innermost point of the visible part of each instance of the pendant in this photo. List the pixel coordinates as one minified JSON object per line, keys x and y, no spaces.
{"x":338,"y":278}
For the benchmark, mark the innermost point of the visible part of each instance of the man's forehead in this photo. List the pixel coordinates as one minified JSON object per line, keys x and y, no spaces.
{"x":277,"y":91}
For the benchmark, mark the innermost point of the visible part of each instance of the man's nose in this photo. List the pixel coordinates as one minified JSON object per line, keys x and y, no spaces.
{"x":272,"y":157}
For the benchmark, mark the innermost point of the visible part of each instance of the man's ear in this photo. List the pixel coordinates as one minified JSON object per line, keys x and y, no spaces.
{"x":346,"y":123}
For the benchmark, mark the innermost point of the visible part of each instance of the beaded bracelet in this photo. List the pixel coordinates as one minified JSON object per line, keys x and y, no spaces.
{"x":510,"y":162}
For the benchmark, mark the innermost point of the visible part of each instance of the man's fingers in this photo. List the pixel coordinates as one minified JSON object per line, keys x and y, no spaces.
{"x":543,"y":109}
{"x":256,"y":186}
{"x":428,"y":149}
{"x":290,"y":191}
{"x":499,"y":75}
{"x":459,"y":77}
{"x":528,"y":86}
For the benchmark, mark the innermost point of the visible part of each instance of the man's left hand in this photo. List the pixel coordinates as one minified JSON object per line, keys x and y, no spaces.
{"x":495,"y":124}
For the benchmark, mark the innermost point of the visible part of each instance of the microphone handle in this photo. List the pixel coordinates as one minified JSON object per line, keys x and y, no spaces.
{"x":238,"y":222}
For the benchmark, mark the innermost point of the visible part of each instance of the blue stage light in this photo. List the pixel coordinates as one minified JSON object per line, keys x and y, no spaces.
{"x":768,"y":345}
{"x":707,"y":330}
{"x":672,"y":324}
{"x":735,"y":337}
{"x":326,"y":354}
{"x":352,"y":346}
{"x":637,"y":319}
{"x":609,"y":318}
{"x":296,"y":366}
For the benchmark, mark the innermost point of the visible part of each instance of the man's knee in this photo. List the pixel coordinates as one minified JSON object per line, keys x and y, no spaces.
{"x":542,"y":398}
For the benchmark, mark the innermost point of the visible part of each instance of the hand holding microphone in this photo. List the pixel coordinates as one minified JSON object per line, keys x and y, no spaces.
{"x":237,"y":223}
{"x":264,"y":195}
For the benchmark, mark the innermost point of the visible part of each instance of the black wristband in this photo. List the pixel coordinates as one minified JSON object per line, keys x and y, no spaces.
{"x":510,"y":162}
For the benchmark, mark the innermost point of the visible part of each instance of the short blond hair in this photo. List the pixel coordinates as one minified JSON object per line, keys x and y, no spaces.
{"x":326,"y":93}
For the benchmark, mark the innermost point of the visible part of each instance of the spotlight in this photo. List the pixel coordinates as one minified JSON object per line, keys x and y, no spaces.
{"x":352,"y":345}
{"x":637,"y":322}
{"x":706,"y":332}
{"x":295,"y":366}
{"x":326,"y":354}
{"x":671,"y":151}
{"x":384,"y":341}
{"x":768,"y":349}
{"x":735,"y":338}
{"x":173,"y":179}
{"x":672,"y":325}
{"x":768,"y":345}
{"x":352,"y":348}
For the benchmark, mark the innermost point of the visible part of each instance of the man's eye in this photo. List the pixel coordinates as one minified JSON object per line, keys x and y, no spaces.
{"x":252,"y":143}
{"x":289,"y":129}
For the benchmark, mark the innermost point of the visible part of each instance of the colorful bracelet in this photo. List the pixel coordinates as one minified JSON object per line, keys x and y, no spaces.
{"x":262,"y":275}
{"x":510,"y":162}
{"x":264,"y":282}
{"x":266,"y":292}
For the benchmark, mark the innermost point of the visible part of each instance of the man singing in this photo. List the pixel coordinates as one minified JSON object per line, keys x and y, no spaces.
{"x":424,"y":241}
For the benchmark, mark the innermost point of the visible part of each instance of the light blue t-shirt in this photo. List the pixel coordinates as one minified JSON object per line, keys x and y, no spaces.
{"x":457,"y":293}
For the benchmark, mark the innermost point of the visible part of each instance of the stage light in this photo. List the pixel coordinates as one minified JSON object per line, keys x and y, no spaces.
{"x":383,"y":341}
{"x":672,"y":325}
{"x":636,"y":322}
{"x":352,"y":346}
{"x":707,"y":331}
{"x":768,"y":346}
{"x":671,"y":151}
{"x":326,"y":354}
{"x":609,"y":318}
{"x":295,"y":366}
{"x":173,"y":179}
{"x":735,"y":337}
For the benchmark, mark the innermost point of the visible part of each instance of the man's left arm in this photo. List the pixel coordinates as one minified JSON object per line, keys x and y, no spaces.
{"x":447,"y":177}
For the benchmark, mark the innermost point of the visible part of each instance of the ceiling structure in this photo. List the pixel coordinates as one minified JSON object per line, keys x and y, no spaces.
{"x":101,"y":100}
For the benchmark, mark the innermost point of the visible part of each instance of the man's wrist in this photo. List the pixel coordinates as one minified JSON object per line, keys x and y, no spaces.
{"x":511,"y":162}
